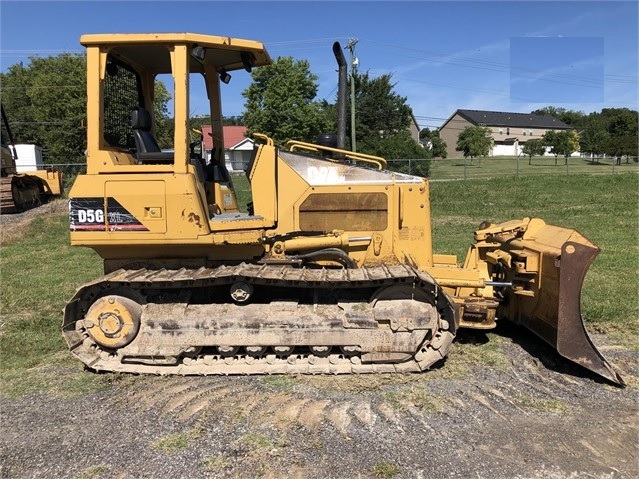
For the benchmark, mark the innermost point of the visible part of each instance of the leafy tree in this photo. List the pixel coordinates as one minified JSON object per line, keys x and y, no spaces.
{"x":17,"y":103}
{"x":164,"y":126}
{"x":552,"y":140}
{"x":382,"y":125}
{"x":534,"y":147}
{"x":564,"y":142}
{"x":570,"y":117}
{"x":612,"y":131}
{"x":380,"y":112}
{"x":279,"y":102}
{"x":570,"y":142}
{"x":404,"y":153}
{"x":594,"y":137}
{"x":621,"y":125}
{"x":434,"y":143}
{"x":46,"y":105}
{"x":474,"y":141}
{"x":233,"y":121}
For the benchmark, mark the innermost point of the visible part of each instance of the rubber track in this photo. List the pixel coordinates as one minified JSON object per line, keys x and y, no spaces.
{"x":23,"y":182}
{"x":7,"y":205}
{"x":183,"y":279}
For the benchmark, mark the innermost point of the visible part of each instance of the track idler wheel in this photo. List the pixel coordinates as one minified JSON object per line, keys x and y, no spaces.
{"x":113,"y":321}
{"x":321,"y":351}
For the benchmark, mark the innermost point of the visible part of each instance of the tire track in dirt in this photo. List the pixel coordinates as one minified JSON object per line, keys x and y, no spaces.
{"x":179,"y":401}
{"x":184,"y":399}
{"x":313,"y":414}
{"x":315,"y":405}
{"x":339,"y":416}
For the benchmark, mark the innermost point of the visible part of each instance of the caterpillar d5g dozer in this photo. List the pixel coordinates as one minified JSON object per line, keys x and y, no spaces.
{"x":22,"y":191}
{"x":330,"y":271}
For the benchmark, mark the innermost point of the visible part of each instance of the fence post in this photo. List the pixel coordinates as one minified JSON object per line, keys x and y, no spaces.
{"x":465,"y":168}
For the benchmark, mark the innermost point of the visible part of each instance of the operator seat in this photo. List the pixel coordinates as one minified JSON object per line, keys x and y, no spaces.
{"x":147,"y":148}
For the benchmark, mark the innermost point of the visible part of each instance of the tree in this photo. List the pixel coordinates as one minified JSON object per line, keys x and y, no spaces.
{"x":401,"y":149}
{"x":534,"y":147}
{"x":621,"y":125}
{"x":594,"y":137}
{"x":17,"y":104}
{"x":433,"y":142}
{"x":46,"y":105}
{"x":474,"y":141}
{"x":570,"y":143}
{"x":164,"y":126}
{"x":380,"y":112}
{"x":563,"y":142}
{"x":279,"y":102}
{"x":382,"y":125}
{"x":570,"y":117}
{"x":552,"y":140}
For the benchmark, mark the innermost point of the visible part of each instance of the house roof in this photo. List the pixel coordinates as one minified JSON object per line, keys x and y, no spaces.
{"x":500,"y":118}
{"x":232,"y":136}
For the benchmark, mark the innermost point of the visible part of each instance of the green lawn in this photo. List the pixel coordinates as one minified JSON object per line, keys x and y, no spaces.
{"x":604,"y":208}
{"x":460,"y":168}
{"x":40,"y":271}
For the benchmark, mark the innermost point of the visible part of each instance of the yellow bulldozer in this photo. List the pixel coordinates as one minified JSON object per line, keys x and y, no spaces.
{"x":20,"y":191}
{"x":331,"y":269}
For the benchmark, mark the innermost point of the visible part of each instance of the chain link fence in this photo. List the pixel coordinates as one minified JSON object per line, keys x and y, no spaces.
{"x":491,"y":167}
{"x":69,"y":172}
{"x":463,"y":168}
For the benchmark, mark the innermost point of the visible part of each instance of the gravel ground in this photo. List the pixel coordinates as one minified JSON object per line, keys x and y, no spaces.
{"x":536,"y":417}
{"x":530,"y":414}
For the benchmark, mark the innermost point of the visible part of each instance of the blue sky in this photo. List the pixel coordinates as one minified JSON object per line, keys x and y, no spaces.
{"x":500,"y":55}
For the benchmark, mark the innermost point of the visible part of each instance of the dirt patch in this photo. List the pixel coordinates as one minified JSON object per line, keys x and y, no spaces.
{"x":13,"y":226}
{"x":534,"y":415}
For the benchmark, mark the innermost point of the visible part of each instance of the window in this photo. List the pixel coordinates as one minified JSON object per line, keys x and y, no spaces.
{"x":122,"y":93}
{"x":508,"y":131}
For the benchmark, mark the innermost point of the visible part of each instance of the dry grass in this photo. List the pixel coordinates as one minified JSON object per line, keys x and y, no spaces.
{"x":177,"y":441}
{"x":14,"y":226}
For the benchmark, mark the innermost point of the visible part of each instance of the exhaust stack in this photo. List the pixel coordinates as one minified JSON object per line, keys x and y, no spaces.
{"x":341,"y":96}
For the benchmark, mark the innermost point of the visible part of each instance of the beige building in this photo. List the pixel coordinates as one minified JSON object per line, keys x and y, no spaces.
{"x":508,"y":130}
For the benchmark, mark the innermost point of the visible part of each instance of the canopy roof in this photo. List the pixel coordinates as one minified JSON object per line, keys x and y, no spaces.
{"x":149,"y":50}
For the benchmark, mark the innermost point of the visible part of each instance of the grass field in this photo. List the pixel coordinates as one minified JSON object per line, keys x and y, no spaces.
{"x":460,"y":168}
{"x":39,"y":271}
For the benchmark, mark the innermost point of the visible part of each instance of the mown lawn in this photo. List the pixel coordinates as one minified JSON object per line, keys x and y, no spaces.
{"x":602,"y":208}
{"x":467,"y":168}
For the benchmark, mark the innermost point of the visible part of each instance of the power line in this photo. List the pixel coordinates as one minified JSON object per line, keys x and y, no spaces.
{"x":466,"y":62}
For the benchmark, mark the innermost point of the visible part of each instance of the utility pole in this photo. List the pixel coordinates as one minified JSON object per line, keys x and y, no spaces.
{"x":354,"y":62}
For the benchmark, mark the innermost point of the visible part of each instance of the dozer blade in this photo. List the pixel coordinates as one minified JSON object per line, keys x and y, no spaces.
{"x":548,"y":265}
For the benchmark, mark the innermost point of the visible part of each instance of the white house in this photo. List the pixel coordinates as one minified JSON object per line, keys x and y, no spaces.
{"x":237,"y":147}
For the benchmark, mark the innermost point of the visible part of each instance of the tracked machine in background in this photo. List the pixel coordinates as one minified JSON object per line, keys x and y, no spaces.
{"x":330,"y":271}
{"x":21,"y":191}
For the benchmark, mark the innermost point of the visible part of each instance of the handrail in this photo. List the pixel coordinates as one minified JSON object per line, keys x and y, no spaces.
{"x":376,"y":160}
{"x":262,"y":136}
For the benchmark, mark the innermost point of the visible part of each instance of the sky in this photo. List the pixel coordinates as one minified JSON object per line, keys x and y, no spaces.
{"x":510,"y":55}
